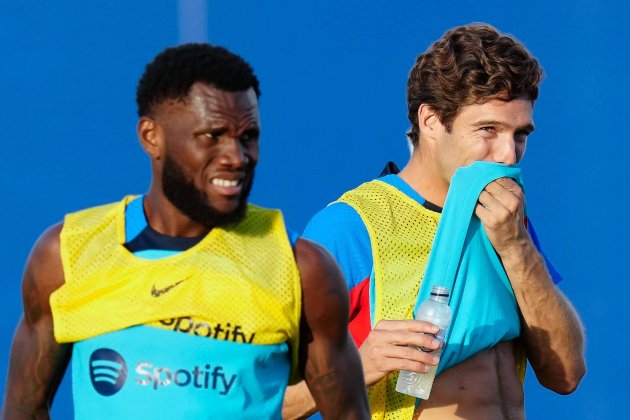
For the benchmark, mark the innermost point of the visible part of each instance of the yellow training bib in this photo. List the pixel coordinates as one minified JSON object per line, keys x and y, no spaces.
{"x":401,"y":235}
{"x":242,"y":274}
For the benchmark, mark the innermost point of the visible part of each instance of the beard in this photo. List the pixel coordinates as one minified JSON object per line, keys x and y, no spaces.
{"x":194,"y":203}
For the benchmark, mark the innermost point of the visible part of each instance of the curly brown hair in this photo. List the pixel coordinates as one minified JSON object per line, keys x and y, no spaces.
{"x":469,"y":64}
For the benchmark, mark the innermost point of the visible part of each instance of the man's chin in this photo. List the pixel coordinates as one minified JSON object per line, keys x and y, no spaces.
{"x":203,"y":206}
{"x":225,"y":209}
{"x":221,"y":217}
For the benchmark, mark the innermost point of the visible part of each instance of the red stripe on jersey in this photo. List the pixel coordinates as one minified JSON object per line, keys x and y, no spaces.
{"x":360,"y":324}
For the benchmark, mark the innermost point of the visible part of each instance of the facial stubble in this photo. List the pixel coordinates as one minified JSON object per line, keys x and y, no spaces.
{"x":194,"y":203}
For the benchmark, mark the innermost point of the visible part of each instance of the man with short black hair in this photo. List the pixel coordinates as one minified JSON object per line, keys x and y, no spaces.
{"x":186,"y":302}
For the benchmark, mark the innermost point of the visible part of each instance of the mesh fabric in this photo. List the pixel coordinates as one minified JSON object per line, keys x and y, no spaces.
{"x":401,"y":234}
{"x":242,"y":275}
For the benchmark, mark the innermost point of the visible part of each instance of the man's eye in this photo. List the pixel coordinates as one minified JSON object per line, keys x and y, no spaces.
{"x":215,"y":135}
{"x":249,"y":136}
{"x":488,"y":129}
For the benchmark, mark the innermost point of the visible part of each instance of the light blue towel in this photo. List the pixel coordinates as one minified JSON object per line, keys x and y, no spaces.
{"x":482,"y":301}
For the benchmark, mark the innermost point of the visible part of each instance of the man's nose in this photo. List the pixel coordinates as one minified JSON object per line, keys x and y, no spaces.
{"x":505,"y":150}
{"x":233,"y":153}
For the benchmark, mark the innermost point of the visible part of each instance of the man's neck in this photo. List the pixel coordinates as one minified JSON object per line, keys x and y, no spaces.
{"x":422,"y":175}
{"x":163,"y":217}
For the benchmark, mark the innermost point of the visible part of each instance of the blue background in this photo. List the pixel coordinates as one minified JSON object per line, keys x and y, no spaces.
{"x":333,"y":111}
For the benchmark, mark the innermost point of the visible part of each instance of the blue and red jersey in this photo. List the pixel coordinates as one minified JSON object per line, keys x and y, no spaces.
{"x":340,"y":229}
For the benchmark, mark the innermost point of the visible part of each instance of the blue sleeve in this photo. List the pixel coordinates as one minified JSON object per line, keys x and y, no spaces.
{"x":555,"y":276}
{"x":293,"y":237}
{"x":339,"y":229}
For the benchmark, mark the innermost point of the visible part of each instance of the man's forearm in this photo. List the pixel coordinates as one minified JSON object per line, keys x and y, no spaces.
{"x":36,"y":367}
{"x":552,"y":329}
{"x":298,"y":402}
{"x":332,"y":367}
{"x":336,"y":382}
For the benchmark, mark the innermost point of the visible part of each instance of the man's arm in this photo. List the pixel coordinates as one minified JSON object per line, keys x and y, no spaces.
{"x":328,"y":356}
{"x":386,"y":349}
{"x":553,"y":333}
{"x":37,"y":362}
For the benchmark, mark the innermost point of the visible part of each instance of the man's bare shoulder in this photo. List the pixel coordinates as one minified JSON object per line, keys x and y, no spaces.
{"x":324,"y":293}
{"x":49,"y":242}
{"x":309,"y":252}
{"x":316,"y":264}
{"x":44,"y":270}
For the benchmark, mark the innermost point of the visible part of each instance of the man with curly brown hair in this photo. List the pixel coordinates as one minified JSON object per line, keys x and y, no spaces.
{"x":470,"y":98}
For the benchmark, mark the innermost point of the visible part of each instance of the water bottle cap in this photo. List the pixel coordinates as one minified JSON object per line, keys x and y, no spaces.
{"x":440,"y":291}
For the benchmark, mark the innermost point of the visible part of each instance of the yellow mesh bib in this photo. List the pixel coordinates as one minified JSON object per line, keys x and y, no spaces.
{"x":242,"y":275}
{"x":401,"y":235}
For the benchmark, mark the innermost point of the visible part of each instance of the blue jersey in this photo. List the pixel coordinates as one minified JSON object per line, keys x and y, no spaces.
{"x":339,"y":229}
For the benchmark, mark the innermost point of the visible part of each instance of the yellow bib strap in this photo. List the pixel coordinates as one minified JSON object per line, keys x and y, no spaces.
{"x":401,"y":234}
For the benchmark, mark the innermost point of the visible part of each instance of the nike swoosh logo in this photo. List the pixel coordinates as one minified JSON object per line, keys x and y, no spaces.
{"x":159,"y":292}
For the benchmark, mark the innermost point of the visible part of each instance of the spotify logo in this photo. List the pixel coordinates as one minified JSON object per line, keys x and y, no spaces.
{"x":108,"y":371}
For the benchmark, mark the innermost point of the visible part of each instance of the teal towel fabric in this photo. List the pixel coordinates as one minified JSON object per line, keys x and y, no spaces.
{"x":482,"y":301}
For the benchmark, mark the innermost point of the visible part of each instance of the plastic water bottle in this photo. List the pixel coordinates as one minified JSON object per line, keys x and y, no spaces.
{"x":436,"y":311}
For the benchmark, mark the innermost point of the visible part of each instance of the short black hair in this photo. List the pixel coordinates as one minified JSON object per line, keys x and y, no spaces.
{"x":172,"y":73}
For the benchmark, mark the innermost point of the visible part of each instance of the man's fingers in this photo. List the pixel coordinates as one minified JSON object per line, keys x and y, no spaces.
{"x":502,"y":186}
{"x":393,"y":364}
{"x":500,"y":201}
{"x":510,"y":185}
{"x":387,"y":357}
{"x":410,"y":358}
{"x":481,"y":212}
{"x":395,"y":345}
{"x":403,"y":338}
{"x":407,"y":325}
{"x":501,"y":209}
{"x":415,"y":354}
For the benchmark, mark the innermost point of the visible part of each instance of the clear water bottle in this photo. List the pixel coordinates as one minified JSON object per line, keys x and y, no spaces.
{"x":436,"y":311}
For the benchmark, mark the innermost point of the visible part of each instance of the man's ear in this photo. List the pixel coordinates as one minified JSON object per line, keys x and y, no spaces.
{"x":151,"y":137}
{"x":429,"y":122}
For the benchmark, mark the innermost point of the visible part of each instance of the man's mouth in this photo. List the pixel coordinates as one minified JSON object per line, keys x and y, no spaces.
{"x":219,"y":182}
{"x":229,"y":187}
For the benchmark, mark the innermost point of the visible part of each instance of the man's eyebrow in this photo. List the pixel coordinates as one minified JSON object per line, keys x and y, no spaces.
{"x":528,"y":128}
{"x":487,"y":122}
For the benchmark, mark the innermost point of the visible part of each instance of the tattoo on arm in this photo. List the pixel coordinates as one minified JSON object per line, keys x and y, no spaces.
{"x":332,"y":367}
{"x":324,"y":386}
